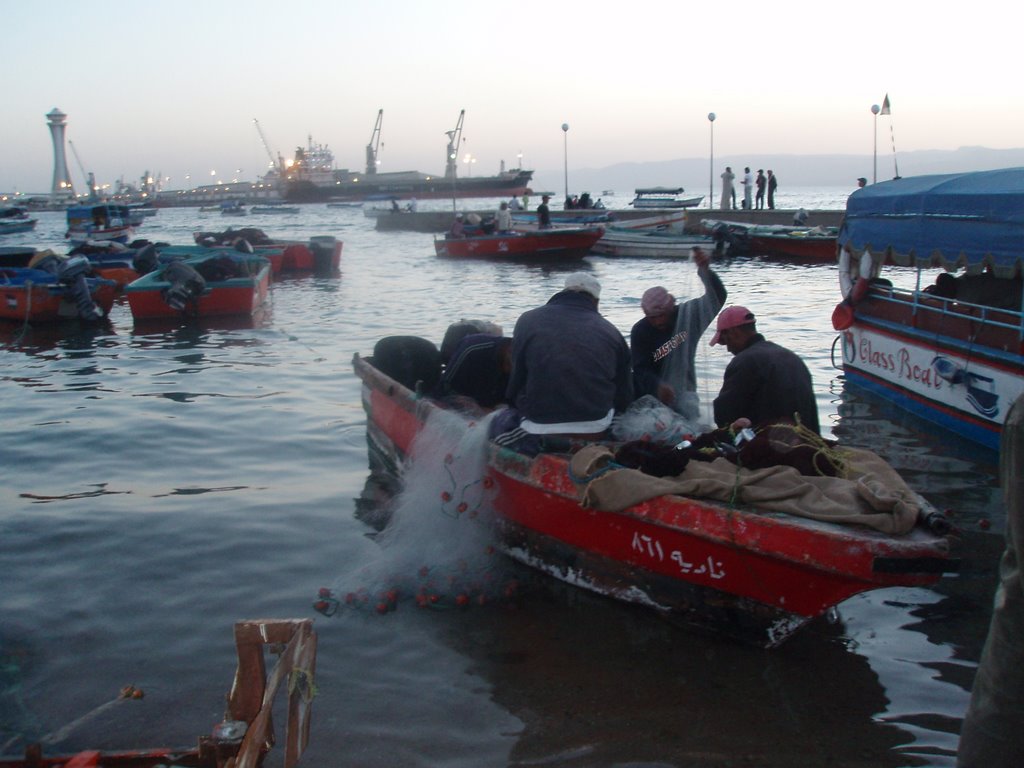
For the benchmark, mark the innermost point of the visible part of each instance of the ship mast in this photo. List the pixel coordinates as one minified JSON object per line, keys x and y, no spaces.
{"x":371,"y":148}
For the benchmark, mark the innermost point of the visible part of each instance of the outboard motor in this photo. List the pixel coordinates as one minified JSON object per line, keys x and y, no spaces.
{"x":728,"y":240}
{"x":186,"y":285}
{"x":322,"y":247}
{"x":72,"y":275}
{"x":146,"y":259}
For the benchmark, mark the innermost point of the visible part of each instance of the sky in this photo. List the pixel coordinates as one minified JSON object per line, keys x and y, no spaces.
{"x":173,"y":87}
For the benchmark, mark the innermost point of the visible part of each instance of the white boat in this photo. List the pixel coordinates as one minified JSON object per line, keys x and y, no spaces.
{"x":640,"y":243}
{"x":949,"y":352}
{"x":664,"y":197}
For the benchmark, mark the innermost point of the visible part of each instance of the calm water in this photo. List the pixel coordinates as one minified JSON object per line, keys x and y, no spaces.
{"x":159,"y":484}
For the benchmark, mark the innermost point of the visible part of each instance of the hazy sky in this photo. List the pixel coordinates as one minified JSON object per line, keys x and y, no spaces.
{"x":173,"y":86}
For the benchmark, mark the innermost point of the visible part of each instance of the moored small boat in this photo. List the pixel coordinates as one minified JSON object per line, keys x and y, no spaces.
{"x":321,"y":254}
{"x":221,"y":283}
{"x":15,"y":219}
{"x":246,"y":733}
{"x":53,"y":289}
{"x":98,"y":222}
{"x":664,"y":197}
{"x":739,"y":569}
{"x":545,"y":245}
{"x":800,"y":243}
{"x":949,"y":351}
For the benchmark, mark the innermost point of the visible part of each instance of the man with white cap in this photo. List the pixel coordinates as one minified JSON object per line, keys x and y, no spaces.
{"x":570,"y":371}
{"x":663,"y":345}
{"x":764,"y":382}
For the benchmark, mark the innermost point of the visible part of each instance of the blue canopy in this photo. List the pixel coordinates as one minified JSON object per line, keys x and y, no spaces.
{"x":971,"y":220}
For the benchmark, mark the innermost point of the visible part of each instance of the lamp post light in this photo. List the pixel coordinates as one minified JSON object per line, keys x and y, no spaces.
{"x":520,"y":156}
{"x":711,"y":171}
{"x":875,"y":109}
{"x":565,"y":154}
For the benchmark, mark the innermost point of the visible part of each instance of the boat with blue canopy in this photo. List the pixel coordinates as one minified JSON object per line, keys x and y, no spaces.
{"x":949,"y":348}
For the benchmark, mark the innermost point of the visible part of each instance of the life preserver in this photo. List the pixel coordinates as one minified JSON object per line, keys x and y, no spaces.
{"x":855,"y":274}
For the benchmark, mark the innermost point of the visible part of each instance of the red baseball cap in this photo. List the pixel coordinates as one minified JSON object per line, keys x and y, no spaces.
{"x":731,"y":317}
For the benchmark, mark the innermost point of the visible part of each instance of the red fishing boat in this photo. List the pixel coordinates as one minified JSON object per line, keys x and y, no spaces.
{"x":321,"y":254}
{"x":55,"y":288}
{"x":546,"y":245}
{"x":798,"y":243}
{"x":246,"y":734}
{"x":744,"y":571}
{"x":222,"y":283}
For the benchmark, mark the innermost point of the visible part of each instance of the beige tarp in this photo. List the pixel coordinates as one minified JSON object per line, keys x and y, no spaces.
{"x":871,"y":493}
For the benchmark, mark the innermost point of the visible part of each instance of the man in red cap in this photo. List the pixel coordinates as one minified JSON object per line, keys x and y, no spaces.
{"x":764,"y":382}
{"x":663,"y":344}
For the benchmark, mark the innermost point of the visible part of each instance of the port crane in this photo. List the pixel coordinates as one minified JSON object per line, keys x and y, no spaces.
{"x":90,"y":179}
{"x":374,"y":145}
{"x":454,"y":140}
{"x":278,"y":164}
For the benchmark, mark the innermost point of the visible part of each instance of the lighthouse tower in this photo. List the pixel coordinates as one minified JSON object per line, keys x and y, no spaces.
{"x":62,"y":188}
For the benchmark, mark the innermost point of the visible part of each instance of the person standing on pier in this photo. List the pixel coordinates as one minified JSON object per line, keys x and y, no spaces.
{"x":727,"y":191}
{"x":760,"y":182}
{"x":748,"y":189}
{"x":773,"y":183}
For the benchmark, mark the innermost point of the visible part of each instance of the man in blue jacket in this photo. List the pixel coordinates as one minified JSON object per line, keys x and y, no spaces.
{"x":570,"y":371}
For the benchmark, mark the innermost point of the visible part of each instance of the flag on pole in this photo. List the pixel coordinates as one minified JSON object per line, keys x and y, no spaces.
{"x":885,"y":106}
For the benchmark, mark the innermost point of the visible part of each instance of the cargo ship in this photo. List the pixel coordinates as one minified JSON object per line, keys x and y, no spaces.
{"x":312,"y":177}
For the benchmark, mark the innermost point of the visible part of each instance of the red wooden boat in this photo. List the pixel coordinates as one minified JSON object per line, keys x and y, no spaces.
{"x":223,"y":283}
{"x":246,"y":734}
{"x":751,"y":574}
{"x":28,"y":294}
{"x":809,"y":244}
{"x":546,"y":245}
{"x":322,"y":254}
{"x":816,"y":245}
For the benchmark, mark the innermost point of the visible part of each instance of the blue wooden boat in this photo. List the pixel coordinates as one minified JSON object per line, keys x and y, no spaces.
{"x":948,"y":350}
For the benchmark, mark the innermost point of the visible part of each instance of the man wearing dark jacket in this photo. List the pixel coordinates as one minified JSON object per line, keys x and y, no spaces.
{"x":570,"y":368}
{"x":663,"y":345}
{"x":764,"y":382}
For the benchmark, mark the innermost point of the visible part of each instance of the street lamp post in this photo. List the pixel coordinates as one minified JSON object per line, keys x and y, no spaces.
{"x":711,"y":171}
{"x":875,"y":109}
{"x":565,"y":150}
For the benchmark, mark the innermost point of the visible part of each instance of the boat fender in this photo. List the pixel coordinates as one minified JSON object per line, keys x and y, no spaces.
{"x":185,"y":285}
{"x":412,"y":361}
{"x":854,"y":274}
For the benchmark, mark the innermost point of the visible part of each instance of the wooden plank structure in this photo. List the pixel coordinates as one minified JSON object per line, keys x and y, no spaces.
{"x":246,"y":735}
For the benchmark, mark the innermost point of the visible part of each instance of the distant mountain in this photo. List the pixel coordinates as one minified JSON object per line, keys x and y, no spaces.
{"x":792,"y":170}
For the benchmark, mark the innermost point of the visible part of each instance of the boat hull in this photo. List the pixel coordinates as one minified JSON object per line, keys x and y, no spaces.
{"x":234,"y":296}
{"x":45,"y":302}
{"x":552,"y":245}
{"x":801,"y":247}
{"x":755,"y":576}
{"x":629,"y":244}
{"x":937,"y":361}
{"x":406,"y":186}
